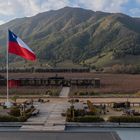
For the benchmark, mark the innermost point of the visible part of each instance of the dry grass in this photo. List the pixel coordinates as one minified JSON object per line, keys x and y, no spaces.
{"x":31,"y":91}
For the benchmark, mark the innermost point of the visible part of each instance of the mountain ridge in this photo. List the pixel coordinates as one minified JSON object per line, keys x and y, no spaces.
{"x":83,"y":36}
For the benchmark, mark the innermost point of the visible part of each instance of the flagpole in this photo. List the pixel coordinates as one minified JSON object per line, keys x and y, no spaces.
{"x":7,"y":68}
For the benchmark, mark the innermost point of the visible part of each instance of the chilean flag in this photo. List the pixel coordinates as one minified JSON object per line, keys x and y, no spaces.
{"x":18,"y":47}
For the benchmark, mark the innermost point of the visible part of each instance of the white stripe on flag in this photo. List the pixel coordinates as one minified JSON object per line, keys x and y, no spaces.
{"x":23,"y":45}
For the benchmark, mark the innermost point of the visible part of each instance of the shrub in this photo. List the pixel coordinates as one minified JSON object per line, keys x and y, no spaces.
{"x":28,"y":115}
{"x":6,"y":118}
{"x":69,"y":119}
{"x":83,"y":93}
{"x":90,"y":113}
{"x":79,"y":112}
{"x":89,"y":119}
{"x":91,"y":107}
{"x":4,"y":107}
{"x":121,"y":105}
{"x":30,"y":110}
{"x":77,"y":100}
{"x":14,"y":98}
{"x":63,"y":114}
{"x":22,"y":118}
{"x":15,"y":111}
{"x":129,"y":119}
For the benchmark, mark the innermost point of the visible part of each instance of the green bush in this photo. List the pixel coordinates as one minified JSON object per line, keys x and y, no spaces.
{"x":83,"y":93}
{"x":79,"y":112}
{"x":77,"y":100}
{"x":89,"y":119}
{"x":63,"y":114}
{"x":4,"y":107}
{"x":6,"y":118}
{"x":30,"y":110}
{"x":90,"y":113}
{"x":22,"y":118}
{"x":28,"y":115}
{"x":15,"y":111}
{"x":126,"y":119}
{"x":15,"y":115}
{"x":69,"y":119}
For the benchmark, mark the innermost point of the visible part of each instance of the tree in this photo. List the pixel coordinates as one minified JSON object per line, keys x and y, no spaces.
{"x":14,"y":98}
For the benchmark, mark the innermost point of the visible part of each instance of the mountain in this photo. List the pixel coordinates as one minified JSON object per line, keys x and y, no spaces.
{"x":81,"y":36}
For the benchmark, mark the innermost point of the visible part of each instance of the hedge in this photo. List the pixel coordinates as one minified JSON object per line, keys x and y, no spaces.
{"x":15,"y":111}
{"x":14,"y":115}
{"x":126,"y":119}
{"x":7,"y":118}
{"x":88,"y":119}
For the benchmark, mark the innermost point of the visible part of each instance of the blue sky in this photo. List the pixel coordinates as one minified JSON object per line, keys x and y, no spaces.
{"x":11,"y":9}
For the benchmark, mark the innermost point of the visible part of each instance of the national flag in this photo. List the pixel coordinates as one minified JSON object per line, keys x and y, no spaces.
{"x":18,"y":47}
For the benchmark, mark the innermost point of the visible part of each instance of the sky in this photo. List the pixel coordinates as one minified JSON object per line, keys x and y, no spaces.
{"x":11,"y":9}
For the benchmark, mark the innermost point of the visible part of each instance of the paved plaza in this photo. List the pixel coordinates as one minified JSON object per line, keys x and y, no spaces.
{"x":49,"y":118}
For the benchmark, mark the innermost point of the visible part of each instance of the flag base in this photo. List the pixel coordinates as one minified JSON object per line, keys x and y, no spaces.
{"x":8,"y":104}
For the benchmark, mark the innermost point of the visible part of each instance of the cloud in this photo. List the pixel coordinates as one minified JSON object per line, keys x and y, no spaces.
{"x":135,"y":11}
{"x":8,"y":7}
{"x":54,"y":4}
{"x":1,"y":22}
{"x":138,"y":1}
{"x":29,"y":7}
{"x":104,"y":5}
{"x":21,"y":8}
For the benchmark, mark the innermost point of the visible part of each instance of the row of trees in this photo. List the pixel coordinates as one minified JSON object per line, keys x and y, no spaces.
{"x":32,"y":69}
{"x":128,"y":69}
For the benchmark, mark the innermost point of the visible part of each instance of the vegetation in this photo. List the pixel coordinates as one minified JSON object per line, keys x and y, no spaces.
{"x":92,"y":108}
{"x":31,"y":91}
{"x":89,"y":119}
{"x":92,"y":39}
{"x":14,"y":98}
{"x":83,"y":115}
{"x":15,"y":111}
{"x":129,"y":69}
{"x":126,"y":119}
{"x":8,"y":118}
{"x":80,"y":115}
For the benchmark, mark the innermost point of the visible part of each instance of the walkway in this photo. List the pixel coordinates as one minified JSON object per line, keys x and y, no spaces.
{"x":64,"y":92}
{"x":49,"y":118}
{"x":55,"y":121}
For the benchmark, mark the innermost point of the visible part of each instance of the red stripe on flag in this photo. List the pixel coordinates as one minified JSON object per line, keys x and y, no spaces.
{"x":23,"y":52}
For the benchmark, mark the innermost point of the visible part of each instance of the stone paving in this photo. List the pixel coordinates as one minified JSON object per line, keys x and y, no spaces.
{"x":64,"y":92}
{"x":55,"y":121}
{"x":49,"y":118}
